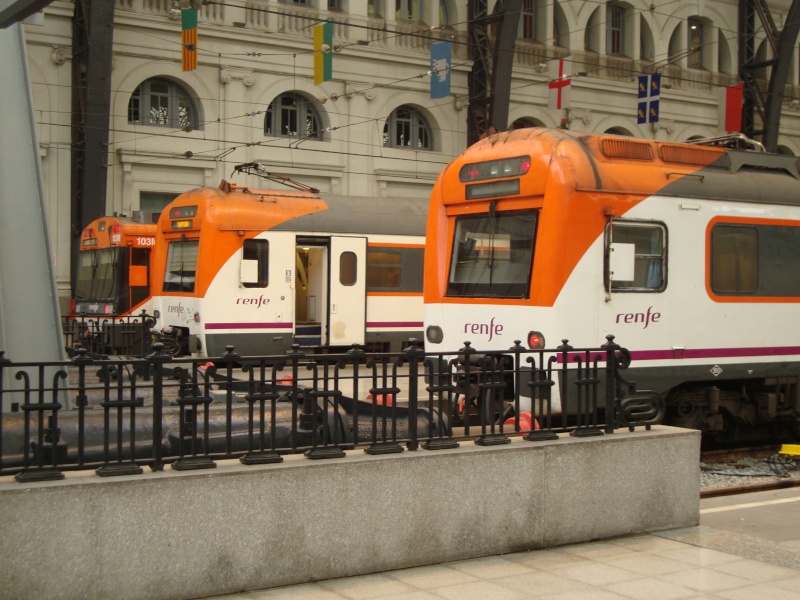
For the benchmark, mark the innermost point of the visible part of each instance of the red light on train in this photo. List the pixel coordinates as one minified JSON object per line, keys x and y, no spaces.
{"x":535,"y":340}
{"x":115,"y":229}
{"x":495,"y":169}
{"x":180,"y":212}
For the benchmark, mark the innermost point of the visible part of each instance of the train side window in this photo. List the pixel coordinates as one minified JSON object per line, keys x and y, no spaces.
{"x":394,"y":269}
{"x":181,"y":266}
{"x":383,"y":270}
{"x":734,"y":259}
{"x":646,"y":245}
{"x":348,"y":268}
{"x":255,"y":263}
{"x":756,"y":259}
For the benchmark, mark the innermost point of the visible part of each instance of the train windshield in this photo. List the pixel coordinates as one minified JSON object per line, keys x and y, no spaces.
{"x":493,"y":255}
{"x":181,"y":266}
{"x":99,"y":274}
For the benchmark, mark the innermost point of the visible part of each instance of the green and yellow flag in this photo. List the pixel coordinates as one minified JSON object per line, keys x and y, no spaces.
{"x":189,"y":39}
{"x":323,"y":52}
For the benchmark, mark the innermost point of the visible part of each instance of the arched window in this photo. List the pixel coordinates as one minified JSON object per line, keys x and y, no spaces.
{"x":375,"y":8}
{"x":409,"y":10}
{"x":619,"y":131}
{"x":528,"y":28}
{"x":293,"y":115}
{"x":525,"y":122}
{"x":560,"y":27}
{"x":695,"y":39}
{"x":591,"y":36}
{"x":162,"y":102}
{"x":646,"y":42}
{"x":615,"y":29}
{"x":407,"y":128}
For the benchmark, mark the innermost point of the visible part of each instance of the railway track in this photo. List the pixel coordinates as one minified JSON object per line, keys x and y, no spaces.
{"x":745,"y":470}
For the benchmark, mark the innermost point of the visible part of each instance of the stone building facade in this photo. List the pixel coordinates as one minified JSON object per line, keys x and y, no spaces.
{"x":372,"y":130}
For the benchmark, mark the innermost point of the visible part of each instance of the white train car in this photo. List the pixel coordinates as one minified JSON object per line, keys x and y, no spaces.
{"x":261,"y":270}
{"x":688,"y":254}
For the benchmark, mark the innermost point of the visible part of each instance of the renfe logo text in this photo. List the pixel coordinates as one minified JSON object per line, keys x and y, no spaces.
{"x":646,"y":318}
{"x":491,"y":329}
{"x":257,"y":302}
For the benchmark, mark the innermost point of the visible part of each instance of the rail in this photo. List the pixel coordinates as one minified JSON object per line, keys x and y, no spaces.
{"x":118,"y":415}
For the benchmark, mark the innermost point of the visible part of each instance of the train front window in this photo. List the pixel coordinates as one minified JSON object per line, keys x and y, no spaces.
{"x":98,"y":274}
{"x":181,"y":266}
{"x":493,"y":255}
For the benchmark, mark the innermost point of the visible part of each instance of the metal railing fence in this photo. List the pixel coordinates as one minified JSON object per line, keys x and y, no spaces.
{"x":118,"y":415}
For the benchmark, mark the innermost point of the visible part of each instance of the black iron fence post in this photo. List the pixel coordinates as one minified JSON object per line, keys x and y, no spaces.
{"x":157,"y":360}
{"x":229,"y":357}
{"x":81,"y":400}
{"x":413,"y":353}
{"x":47,"y":446}
{"x":611,"y":383}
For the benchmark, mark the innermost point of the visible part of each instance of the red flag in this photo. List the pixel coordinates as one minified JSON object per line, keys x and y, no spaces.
{"x":734,"y":98}
{"x":559,"y":86}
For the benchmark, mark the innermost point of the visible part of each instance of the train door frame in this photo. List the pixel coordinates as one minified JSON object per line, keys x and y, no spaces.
{"x":310,"y":290}
{"x":347,"y":302}
{"x":335,"y":313}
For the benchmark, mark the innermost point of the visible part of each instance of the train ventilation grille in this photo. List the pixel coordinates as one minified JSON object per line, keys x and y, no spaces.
{"x":689,"y":155}
{"x":614,"y":148}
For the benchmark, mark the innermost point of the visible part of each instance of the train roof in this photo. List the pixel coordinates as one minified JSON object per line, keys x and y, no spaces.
{"x":240,"y":208}
{"x":364,"y":214}
{"x":131,"y":226}
{"x":632,"y":165}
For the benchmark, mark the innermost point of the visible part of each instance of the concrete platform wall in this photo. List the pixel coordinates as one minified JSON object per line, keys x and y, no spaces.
{"x":190,"y":534}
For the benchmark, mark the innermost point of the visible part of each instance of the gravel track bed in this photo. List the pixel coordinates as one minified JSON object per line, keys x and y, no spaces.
{"x":748,"y":471}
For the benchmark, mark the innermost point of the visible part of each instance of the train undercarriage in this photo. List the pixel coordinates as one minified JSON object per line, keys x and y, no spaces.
{"x":738,"y":412}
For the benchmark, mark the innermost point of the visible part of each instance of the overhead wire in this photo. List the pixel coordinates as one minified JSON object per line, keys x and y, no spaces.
{"x":295,"y":142}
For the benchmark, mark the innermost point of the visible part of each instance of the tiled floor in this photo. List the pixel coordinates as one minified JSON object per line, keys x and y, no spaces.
{"x":685,"y":564}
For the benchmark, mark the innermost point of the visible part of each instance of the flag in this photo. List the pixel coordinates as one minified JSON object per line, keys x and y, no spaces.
{"x":649,"y":98}
{"x":440,"y":70}
{"x":189,"y":39}
{"x":559,"y":86}
{"x":323,"y":52}
{"x":734,"y":98}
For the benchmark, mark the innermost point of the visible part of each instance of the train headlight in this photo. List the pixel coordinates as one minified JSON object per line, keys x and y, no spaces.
{"x":535,"y":340}
{"x":434,"y":334}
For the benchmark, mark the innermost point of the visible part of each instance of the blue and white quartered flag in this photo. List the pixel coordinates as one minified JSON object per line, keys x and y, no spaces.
{"x":649,"y":98}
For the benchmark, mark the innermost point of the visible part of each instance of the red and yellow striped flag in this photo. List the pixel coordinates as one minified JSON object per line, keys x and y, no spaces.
{"x":189,"y":39}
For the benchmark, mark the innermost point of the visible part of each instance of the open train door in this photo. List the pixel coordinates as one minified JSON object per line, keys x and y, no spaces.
{"x":347,"y":309}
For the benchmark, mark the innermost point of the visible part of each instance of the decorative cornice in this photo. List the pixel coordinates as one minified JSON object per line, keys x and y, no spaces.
{"x":61,"y":54}
{"x":366,"y":90}
{"x":246,"y":77}
{"x":584,"y":116}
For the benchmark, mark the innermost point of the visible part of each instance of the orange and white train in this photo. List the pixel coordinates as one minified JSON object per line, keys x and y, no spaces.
{"x":261,"y":270}
{"x":113,"y":275}
{"x":688,"y":254}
